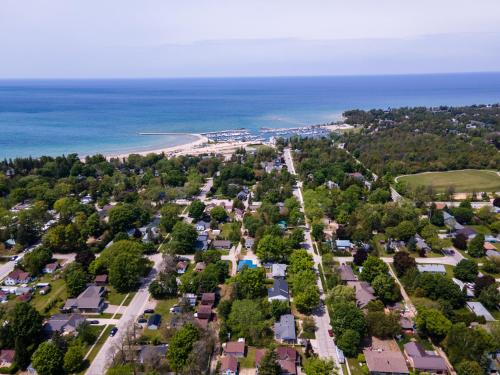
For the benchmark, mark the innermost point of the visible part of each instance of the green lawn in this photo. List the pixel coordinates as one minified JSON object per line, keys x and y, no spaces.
{"x":354,"y":366}
{"x":48,"y":304}
{"x":115,"y":298}
{"x":249,"y":360}
{"x":463,"y":181}
{"x":93,"y":353}
{"x":163,"y":307}
{"x":483,"y":229}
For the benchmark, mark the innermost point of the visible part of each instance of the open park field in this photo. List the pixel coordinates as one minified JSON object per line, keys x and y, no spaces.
{"x":463,"y":181}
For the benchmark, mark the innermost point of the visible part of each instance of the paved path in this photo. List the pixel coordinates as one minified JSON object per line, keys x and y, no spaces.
{"x":324,"y":343}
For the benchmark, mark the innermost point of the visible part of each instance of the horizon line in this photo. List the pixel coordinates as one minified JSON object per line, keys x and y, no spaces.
{"x":244,"y":76}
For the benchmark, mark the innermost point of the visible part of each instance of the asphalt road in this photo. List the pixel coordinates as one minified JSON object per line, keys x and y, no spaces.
{"x":325,"y":345}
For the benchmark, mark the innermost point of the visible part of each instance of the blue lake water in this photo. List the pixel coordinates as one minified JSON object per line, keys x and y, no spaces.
{"x":51,"y":117}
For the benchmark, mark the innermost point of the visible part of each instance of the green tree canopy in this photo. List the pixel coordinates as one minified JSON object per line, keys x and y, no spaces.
{"x":466,"y":270}
{"x":373,"y":267}
{"x":48,"y":359}
{"x":180,"y":346}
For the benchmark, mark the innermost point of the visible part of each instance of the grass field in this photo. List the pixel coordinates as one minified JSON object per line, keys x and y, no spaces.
{"x":464,"y":181}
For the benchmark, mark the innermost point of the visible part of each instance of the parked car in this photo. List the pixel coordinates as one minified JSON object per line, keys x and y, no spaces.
{"x":330,"y":332}
{"x":93,"y":322}
{"x":113,"y":332}
{"x":142,"y":320}
{"x":14,"y":257}
{"x":149,"y":311}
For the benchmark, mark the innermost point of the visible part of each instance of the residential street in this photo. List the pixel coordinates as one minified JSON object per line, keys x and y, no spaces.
{"x":323,"y":344}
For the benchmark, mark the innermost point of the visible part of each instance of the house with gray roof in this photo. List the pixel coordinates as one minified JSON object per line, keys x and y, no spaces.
{"x":424,"y":361}
{"x":63,"y":323}
{"x":152,"y":353}
{"x":346,"y":273}
{"x":364,"y":292}
{"x":278,"y":270}
{"x":451,"y":222}
{"x":279,"y":291}
{"x":432,"y":268}
{"x":222,"y":244}
{"x":91,"y":300}
{"x":478,"y":309}
{"x":284,"y":330}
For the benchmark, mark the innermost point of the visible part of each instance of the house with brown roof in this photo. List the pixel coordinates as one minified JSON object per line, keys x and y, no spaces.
{"x":208,"y":299}
{"x":17,"y":277}
{"x":50,"y":268}
{"x":204,"y":312}
{"x":235,"y":348}
{"x":221,"y":244}
{"x":364,"y":292}
{"x":228,"y":365}
{"x":101,"y":280}
{"x":425,"y":361}
{"x":7,"y":357}
{"x":383,"y":357}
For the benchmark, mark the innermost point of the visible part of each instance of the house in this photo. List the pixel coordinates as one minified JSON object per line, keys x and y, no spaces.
{"x":259,"y":354}
{"x":50,"y":268}
{"x":364,"y":292}
{"x":242,"y":195}
{"x":279,"y":291}
{"x":202,"y":226}
{"x":190,"y":299}
{"x":151,"y":353}
{"x":468,"y":232}
{"x":278,"y":270}
{"x":464,"y":287}
{"x":235,"y":348}
{"x":202,"y":323}
{"x":343,"y":245}
{"x":424,"y":361}
{"x":10,"y":243}
{"x":200,"y":267}
{"x":478,"y":309}
{"x":25,"y":297}
{"x":407,"y":324}
{"x":492,"y":254}
{"x":19,"y":291}
{"x":208,"y":299}
{"x":249,"y":243}
{"x":201,"y":243}
{"x":222,"y":244}
{"x":286,"y":353}
{"x":154,"y":321}
{"x":421,"y":244}
{"x":101,"y":280}
{"x":246,"y":263}
{"x":238,"y":214}
{"x":17,"y":277}
{"x":432,"y":268}
{"x":91,"y":300}
{"x":284,"y":330}
{"x":228,"y":365}
{"x":489,"y":246}
{"x":7,"y":357}
{"x":63,"y":323}
{"x":346,"y":273}
{"x":451,"y":222}
{"x":181,"y":267}
{"x":204,"y":312}
{"x":385,"y":358}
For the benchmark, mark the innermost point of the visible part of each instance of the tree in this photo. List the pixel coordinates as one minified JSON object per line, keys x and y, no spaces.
{"x":300,"y":260}
{"x":169,"y":217}
{"x":346,"y":317}
{"x":360,"y":257}
{"x":26,"y":330}
{"x":66,"y":207}
{"x":476,"y":341}
{"x":463,"y":215}
{"x":482,"y":282}
{"x":251,"y":283}
{"x":269,"y":364}
{"x":164,"y":286}
{"x":373,"y":267}
{"x":73,"y":359}
{"x":383,"y":325}
{"x":317,"y":366}
{"x":279,"y":308}
{"x":404,"y":230}
{"x":184,"y":237}
{"x":385,"y":288}
{"x":466,"y":270}
{"x":469,"y":368}
{"x":349,"y":342}
{"x":432,"y":322}
{"x":35,"y":261}
{"x":318,"y":231}
{"x":126,"y":270}
{"x":296,"y":238}
{"x":219,"y":214}
{"x":196,"y":209}
{"x":86,"y":334}
{"x":490,"y":297}
{"x":48,"y":359}
{"x":307,"y":300}
{"x":460,"y":241}
{"x":84,"y":258}
{"x":341,"y":294}
{"x":272,"y":248}
{"x":76,"y":279}
{"x":436,"y":287}
{"x":403,"y":262}
{"x":247,"y":320}
{"x":123,"y":217}
{"x":476,"y":246}
{"x":180,"y":346}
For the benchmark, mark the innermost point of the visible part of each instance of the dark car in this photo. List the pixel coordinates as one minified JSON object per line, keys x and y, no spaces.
{"x":113,"y":331}
{"x":142,"y":320}
{"x":149,"y":311}
{"x":330,"y":332}
{"x":93,"y":322}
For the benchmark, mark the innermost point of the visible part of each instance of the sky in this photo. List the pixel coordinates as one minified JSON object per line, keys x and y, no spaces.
{"x":204,"y":38}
